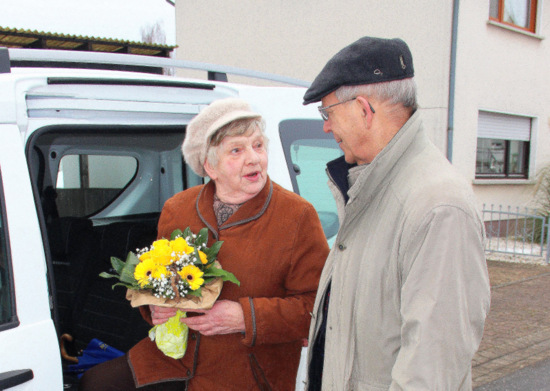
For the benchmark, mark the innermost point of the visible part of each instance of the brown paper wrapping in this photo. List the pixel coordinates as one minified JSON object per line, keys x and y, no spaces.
{"x":210,"y":293}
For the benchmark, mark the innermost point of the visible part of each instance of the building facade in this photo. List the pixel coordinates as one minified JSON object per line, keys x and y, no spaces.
{"x":480,"y":65}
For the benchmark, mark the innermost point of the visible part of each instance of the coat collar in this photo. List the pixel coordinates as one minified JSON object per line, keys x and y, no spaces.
{"x":380,"y":167}
{"x":249,"y":211}
{"x":337,"y":171}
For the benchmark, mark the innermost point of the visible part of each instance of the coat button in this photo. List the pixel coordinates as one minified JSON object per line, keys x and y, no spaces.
{"x":188,"y":372}
{"x":341,"y":247}
{"x":193,"y":336}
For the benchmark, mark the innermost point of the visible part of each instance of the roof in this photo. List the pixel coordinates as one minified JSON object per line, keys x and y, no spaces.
{"x":18,"y":38}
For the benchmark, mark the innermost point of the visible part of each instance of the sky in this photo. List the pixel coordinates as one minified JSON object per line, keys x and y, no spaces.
{"x":116,"y":19}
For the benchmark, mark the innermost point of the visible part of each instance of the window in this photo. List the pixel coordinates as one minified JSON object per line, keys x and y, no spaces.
{"x":503,"y":143}
{"x":88,"y":183}
{"x":307,"y":150}
{"x":517,"y":13}
{"x":7,"y":304}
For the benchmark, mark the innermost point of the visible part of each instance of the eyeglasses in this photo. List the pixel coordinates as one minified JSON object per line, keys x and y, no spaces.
{"x":323,"y":109}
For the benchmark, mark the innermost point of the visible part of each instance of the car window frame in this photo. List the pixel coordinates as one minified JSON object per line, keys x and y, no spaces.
{"x":291,"y":130}
{"x":13,"y":322}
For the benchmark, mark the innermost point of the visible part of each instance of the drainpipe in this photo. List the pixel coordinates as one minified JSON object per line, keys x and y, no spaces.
{"x":452,"y":76}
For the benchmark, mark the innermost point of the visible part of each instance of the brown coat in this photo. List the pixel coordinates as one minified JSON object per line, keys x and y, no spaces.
{"x":275,"y":246}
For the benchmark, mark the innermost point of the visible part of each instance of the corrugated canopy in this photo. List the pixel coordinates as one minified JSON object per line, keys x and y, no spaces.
{"x":17,"y":38}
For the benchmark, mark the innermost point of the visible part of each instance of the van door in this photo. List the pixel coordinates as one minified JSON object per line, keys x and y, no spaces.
{"x":29,"y":357}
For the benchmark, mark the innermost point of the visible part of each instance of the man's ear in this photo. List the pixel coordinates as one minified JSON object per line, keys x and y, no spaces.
{"x":366,"y":107}
{"x":366,"y":111}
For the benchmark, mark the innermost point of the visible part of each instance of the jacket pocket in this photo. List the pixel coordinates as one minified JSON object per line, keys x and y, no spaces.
{"x":259,"y":375}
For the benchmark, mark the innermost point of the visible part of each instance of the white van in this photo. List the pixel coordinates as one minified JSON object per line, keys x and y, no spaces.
{"x":87,"y":159}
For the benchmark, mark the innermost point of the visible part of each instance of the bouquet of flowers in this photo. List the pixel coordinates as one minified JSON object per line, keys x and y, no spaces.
{"x":182,"y":273}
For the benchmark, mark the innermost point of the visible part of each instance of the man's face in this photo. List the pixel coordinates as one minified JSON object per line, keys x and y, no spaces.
{"x":348,"y":126}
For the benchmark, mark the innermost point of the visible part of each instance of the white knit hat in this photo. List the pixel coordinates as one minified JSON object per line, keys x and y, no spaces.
{"x":201,"y":129}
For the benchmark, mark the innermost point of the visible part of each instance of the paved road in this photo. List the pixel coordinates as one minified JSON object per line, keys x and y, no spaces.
{"x":517,"y":330}
{"x":532,"y":378}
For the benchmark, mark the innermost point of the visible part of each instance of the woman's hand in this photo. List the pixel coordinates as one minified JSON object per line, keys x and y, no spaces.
{"x":225,"y":317}
{"x":160,"y":315}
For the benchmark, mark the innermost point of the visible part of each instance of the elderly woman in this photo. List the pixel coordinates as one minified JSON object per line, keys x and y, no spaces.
{"x":274,"y":244}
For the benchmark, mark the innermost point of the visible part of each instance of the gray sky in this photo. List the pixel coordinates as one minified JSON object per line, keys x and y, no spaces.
{"x":117,"y":19}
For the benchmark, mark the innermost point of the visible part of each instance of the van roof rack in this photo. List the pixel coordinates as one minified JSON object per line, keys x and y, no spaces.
{"x":127,"y":62}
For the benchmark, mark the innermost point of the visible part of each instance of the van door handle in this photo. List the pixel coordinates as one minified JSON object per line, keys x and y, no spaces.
{"x":14,"y":378}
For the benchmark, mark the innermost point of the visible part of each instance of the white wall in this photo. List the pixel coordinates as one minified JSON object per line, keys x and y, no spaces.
{"x":497,"y":69}
{"x":504,"y":71}
{"x":296,"y":39}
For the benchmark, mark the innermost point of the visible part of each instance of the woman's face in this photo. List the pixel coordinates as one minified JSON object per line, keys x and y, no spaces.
{"x":241,"y":172}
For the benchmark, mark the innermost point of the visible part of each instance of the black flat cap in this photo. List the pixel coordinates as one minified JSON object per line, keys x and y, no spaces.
{"x":366,"y":61}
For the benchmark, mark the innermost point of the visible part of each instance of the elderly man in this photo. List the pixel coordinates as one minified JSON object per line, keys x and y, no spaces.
{"x":405,"y":291}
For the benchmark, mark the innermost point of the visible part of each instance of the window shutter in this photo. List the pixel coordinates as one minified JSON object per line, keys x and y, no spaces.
{"x":503,"y":126}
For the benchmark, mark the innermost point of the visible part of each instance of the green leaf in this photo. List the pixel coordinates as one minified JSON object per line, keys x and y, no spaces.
{"x":187,"y":233}
{"x":223,"y":274}
{"x":197,"y":293}
{"x":129,"y":286}
{"x":175,"y":234}
{"x":202,"y":237}
{"x":212,"y":252}
{"x":127,"y":272}
{"x":132,"y":259}
{"x":117,"y":264}
{"x":108,"y":275}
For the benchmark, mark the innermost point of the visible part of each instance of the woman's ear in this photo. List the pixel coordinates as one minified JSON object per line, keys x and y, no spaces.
{"x":210,"y":171}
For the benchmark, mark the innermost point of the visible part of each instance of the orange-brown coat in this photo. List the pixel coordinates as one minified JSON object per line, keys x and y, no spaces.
{"x":275,"y":246}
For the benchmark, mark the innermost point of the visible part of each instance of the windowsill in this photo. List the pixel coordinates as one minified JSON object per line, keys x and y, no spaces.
{"x":515,"y":29}
{"x":509,"y":181}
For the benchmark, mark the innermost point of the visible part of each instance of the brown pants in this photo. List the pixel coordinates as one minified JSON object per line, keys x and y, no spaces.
{"x":115,"y":375}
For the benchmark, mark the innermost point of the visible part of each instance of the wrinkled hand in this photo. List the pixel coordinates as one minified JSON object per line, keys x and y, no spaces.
{"x":160,"y":315}
{"x":225,"y":317}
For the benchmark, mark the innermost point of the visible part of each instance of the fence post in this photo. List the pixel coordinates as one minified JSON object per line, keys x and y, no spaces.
{"x":498,"y":225}
{"x":547,"y":225}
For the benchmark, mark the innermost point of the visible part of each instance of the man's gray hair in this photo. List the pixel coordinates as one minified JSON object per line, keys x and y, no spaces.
{"x":396,"y":91}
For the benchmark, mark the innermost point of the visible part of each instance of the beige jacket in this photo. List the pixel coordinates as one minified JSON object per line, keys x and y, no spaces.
{"x":410,"y":289}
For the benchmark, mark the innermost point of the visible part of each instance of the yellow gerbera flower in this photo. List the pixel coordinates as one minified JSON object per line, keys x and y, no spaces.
{"x":179,"y":245}
{"x":144,"y":256}
{"x":160,"y":253}
{"x":161,"y":243}
{"x":143,"y":271}
{"x":193,"y":276}
{"x":159,"y":272}
{"x":203,"y":257}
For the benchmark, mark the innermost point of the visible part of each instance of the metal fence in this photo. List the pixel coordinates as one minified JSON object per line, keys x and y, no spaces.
{"x":521,"y":232}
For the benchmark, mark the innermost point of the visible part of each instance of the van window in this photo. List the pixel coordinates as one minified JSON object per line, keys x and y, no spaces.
{"x":7,"y":307}
{"x":307,"y":150}
{"x":86,"y":184}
